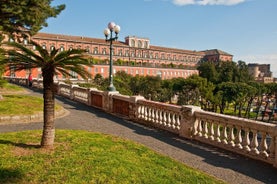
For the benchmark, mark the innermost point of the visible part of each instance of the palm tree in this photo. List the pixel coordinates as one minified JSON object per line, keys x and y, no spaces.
{"x":51,"y":63}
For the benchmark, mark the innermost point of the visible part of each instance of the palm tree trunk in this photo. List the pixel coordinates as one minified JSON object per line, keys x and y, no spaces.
{"x":48,"y":135}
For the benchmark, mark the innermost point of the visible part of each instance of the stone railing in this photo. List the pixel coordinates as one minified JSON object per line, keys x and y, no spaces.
{"x":253,"y":139}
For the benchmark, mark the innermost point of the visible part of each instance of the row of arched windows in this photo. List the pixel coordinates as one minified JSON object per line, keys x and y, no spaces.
{"x":132,"y":53}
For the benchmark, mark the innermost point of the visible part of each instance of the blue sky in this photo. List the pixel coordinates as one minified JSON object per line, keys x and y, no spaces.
{"x":246,"y":29}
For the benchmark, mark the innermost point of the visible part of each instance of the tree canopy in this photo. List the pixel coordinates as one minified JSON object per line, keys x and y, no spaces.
{"x":26,"y":16}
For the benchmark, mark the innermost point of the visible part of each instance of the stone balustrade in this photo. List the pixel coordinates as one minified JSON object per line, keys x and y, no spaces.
{"x":253,"y":139}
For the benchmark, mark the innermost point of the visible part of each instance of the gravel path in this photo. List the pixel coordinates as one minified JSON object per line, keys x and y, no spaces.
{"x":229,"y":167}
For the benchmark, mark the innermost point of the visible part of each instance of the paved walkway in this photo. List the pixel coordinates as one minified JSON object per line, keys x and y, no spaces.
{"x":229,"y":167}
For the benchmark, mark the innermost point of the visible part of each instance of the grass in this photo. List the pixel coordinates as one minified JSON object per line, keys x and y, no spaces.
{"x":11,"y":88}
{"x":20,"y":105}
{"x":14,"y":103}
{"x":86,"y":157}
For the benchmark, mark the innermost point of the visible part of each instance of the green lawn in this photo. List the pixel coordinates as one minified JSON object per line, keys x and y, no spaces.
{"x":86,"y":157}
{"x":11,"y":88}
{"x":15,"y":102}
{"x":20,"y":105}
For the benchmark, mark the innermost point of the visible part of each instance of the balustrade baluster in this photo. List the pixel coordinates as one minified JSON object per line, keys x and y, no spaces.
{"x":263,"y":145}
{"x":173,"y":120}
{"x":254,"y":143}
{"x":168,"y":123}
{"x":143,"y":112}
{"x":206,"y":129}
{"x":139,"y":111}
{"x":211,"y":131}
{"x":178,"y":120}
{"x":195,"y":127}
{"x":246,"y":140}
{"x":153,"y":115}
{"x":161,"y":115}
{"x":231,"y":136}
{"x":238,"y":139}
{"x":146,"y":113}
{"x":217,"y":132}
{"x":200,"y":129}
{"x":164,"y":118}
{"x":224,"y":135}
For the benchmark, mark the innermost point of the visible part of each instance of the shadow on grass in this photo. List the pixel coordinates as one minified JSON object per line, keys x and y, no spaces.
{"x":21,"y":145}
{"x":10,"y":175}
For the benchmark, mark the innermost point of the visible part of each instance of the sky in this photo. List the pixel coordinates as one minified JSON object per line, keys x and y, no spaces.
{"x":247,"y":29}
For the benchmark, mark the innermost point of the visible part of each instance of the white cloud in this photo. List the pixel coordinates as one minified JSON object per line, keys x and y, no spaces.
{"x":207,"y":2}
{"x":262,"y":59}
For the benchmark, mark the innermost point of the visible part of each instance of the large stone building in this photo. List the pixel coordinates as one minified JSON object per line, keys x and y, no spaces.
{"x":261,"y":72}
{"x":135,"y":56}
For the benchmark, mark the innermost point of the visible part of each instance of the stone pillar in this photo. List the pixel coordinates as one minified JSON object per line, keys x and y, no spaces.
{"x":188,"y":120}
{"x":134,"y":107}
{"x":108,"y":100}
{"x":72,"y":91}
{"x":58,"y":87}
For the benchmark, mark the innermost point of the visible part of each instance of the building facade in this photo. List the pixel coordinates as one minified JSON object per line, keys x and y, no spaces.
{"x":261,"y":72}
{"x":135,"y":56}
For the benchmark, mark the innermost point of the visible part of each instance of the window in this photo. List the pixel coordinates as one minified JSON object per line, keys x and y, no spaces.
{"x":62,"y":48}
{"x":44,"y":46}
{"x":102,"y":70}
{"x":145,"y":44}
{"x":126,"y":53}
{"x":120,"y":52}
{"x":52,"y":47}
{"x":95,"y":50}
{"x":139,"y":44}
{"x":87,"y":49}
{"x":132,"y":43}
{"x":104,"y":51}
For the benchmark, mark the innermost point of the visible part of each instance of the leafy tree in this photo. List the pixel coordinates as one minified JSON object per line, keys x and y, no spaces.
{"x":167,"y":91}
{"x":150,"y":87}
{"x":26,"y":16}
{"x":244,"y":93}
{"x":51,"y":63}
{"x":208,"y":70}
{"x":196,"y":90}
{"x":135,"y":84}
{"x":241,"y":73}
{"x":227,"y":91}
{"x":122,"y":81}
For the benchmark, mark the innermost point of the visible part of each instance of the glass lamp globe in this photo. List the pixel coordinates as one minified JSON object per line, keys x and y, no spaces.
{"x":111,"y":25}
{"x":107,"y":32}
{"x":116,"y":29}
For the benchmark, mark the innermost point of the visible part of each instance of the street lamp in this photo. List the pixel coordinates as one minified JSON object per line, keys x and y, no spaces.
{"x":108,"y":32}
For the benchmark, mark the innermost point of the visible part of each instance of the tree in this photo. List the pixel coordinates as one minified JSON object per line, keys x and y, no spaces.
{"x":207,"y":70}
{"x":26,"y":16}
{"x":51,"y":63}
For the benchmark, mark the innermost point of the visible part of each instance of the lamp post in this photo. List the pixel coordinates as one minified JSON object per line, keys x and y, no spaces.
{"x":108,"y":32}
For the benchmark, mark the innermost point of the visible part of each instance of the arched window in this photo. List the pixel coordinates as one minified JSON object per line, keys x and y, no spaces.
{"x":133,"y":43}
{"x":104,"y":51}
{"x":62,"y":48}
{"x":95,"y":50}
{"x":139,"y":44}
{"x":52,"y":47}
